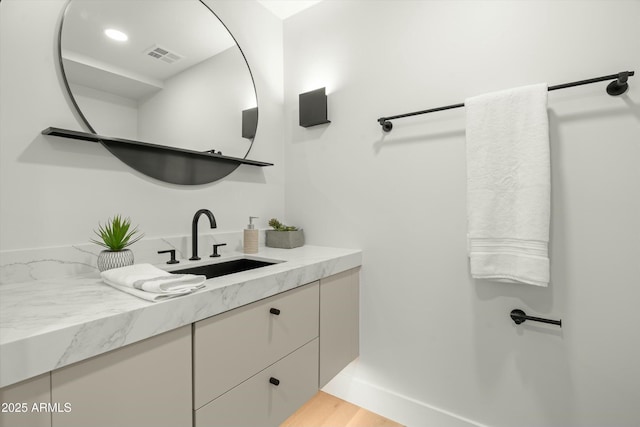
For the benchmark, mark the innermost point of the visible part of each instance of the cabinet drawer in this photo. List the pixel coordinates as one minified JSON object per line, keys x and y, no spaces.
{"x":233,"y":346}
{"x":257,"y":402}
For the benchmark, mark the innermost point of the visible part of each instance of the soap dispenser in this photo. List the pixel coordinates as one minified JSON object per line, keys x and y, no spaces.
{"x":251,"y":237}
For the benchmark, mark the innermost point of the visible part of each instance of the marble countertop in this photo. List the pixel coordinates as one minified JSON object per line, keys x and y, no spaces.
{"x":48,"y":324}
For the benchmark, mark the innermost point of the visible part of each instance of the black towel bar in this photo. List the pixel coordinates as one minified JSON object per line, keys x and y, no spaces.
{"x":616,"y":87}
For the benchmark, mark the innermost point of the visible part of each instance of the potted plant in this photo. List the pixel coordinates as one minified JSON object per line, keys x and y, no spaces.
{"x":284,"y":236}
{"x":116,"y":236}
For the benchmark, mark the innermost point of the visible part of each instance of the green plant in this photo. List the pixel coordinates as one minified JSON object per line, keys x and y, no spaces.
{"x":115,"y":235}
{"x":278,"y":226}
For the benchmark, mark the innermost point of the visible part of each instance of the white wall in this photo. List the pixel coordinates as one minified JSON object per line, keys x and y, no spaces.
{"x":428,"y":331}
{"x":54,"y":191}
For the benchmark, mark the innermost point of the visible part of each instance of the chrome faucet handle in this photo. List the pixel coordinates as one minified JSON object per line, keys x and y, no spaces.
{"x":215,"y":253}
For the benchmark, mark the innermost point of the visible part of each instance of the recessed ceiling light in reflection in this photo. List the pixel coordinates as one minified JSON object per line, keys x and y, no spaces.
{"x":116,"y":35}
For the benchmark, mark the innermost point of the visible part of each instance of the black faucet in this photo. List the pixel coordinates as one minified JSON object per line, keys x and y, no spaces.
{"x":194,"y":231}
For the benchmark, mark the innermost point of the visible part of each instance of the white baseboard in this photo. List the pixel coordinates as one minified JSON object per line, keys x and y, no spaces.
{"x":402,"y":409}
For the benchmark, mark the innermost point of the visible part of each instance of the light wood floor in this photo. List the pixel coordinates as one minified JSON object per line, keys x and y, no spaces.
{"x":325,"y":410}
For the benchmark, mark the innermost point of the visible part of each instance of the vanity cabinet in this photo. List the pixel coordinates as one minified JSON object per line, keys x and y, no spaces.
{"x":251,"y":366}
{"x":18,"y":402}
{"x":143,"y":384}
{"x":256,"y":365}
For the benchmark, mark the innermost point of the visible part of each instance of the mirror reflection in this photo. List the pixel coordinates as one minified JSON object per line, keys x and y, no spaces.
{"x":165,"y":72}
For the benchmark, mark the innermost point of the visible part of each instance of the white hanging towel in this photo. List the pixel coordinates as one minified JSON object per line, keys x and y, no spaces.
{"x":509,"y":185}
{"x":151,"y":283}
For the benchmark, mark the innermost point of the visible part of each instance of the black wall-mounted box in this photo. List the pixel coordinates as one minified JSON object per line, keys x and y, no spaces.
{"x":313,"y":108}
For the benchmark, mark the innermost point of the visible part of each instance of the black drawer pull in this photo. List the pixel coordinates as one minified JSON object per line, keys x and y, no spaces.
{"x":275,"y":311}
{"x":274,"y":381}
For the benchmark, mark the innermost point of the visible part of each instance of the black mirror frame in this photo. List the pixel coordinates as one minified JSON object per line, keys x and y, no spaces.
{"x":165,"y":163}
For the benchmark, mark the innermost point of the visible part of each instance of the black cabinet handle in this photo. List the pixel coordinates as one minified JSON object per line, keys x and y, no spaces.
{"x":275,"y":311}
{"x":274,"y":381}
{"x":173,"y":259}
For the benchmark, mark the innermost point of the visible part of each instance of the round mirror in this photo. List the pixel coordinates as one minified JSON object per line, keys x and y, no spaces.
{"x":165,"y":72}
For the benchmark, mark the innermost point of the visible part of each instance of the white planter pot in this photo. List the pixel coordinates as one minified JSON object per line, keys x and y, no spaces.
{"x":114,"y":259}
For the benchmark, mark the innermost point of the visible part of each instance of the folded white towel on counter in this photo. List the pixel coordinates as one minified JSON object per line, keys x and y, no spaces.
{"x":151,"y":283}
{"x":509,"y":185}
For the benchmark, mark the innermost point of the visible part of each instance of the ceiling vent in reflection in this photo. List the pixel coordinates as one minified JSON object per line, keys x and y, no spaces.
{"x":163,"y":54}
